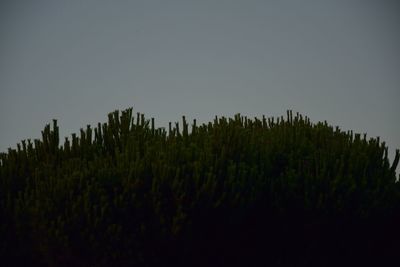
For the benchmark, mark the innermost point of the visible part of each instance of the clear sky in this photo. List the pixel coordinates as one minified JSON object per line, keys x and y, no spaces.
{"x":78,"y":60}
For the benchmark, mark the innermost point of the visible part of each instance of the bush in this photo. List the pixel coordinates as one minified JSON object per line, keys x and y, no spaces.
{"x":233,"y":192}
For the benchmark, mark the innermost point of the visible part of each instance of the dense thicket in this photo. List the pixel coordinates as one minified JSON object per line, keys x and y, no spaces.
{"x":235,"y":191}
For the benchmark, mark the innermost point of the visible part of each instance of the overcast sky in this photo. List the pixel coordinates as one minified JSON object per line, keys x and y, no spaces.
{"x":78,"y":60}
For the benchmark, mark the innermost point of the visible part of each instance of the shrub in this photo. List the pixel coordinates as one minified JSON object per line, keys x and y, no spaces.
{"x":233,"y":192}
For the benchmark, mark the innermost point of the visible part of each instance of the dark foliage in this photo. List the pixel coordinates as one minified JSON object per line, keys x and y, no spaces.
{"x":233,"y":192}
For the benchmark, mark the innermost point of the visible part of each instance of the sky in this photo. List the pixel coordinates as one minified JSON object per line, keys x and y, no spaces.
{"x":76,"y":61}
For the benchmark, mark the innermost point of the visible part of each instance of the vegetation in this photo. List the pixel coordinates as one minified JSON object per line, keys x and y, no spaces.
{"x":233,"y":192}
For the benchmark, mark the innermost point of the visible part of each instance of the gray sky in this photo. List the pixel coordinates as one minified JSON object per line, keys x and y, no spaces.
{"x":78,"y":60}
